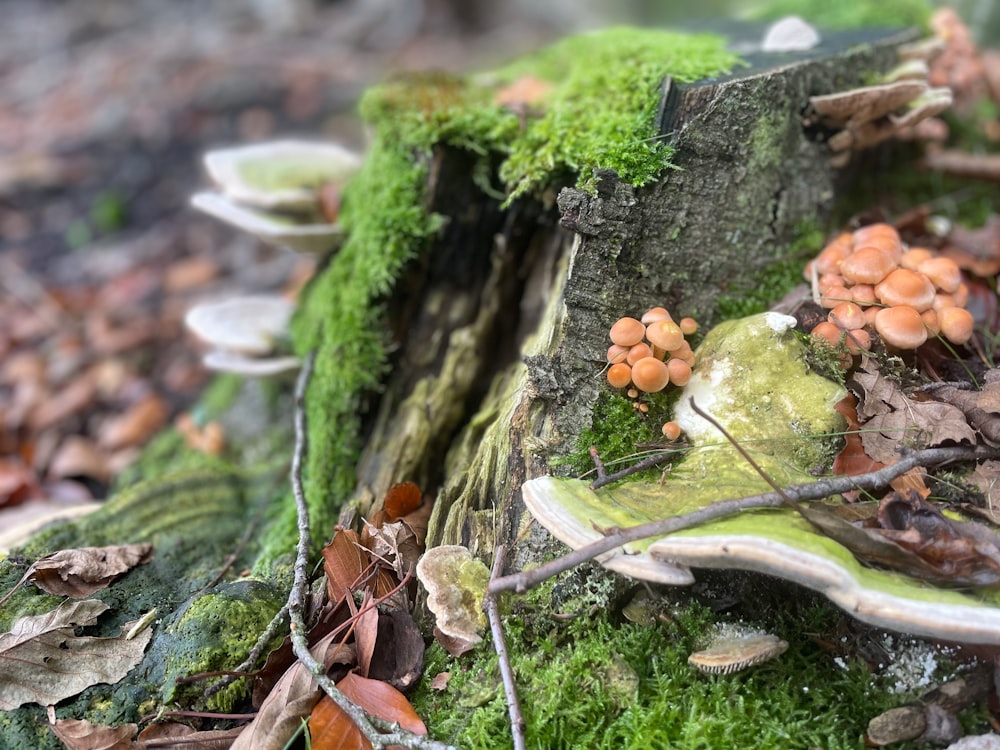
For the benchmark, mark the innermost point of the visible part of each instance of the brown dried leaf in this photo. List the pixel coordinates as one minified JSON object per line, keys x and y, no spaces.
{"x":332,"y":729}
{"x":42,"y":661}
{"x":79,"y":734}
{"x":890,"y":420}
{"x":366,"y":634}
{"x":344,"y":562}
{"x":291,"y":700}
{"x":136,"y":425}
{"x":981,"y":408}
{"x":173,"y":735}
{"x":78,"y":573}
{"x":961,"y":553}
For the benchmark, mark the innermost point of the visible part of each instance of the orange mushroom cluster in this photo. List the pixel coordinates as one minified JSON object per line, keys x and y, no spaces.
{"x":649,"y":354}
{"x":870,"y":282}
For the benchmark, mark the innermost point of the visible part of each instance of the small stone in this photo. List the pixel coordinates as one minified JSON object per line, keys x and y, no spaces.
{"x":896,"y":725}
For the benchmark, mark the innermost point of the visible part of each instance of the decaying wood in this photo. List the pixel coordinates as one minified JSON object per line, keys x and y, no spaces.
{"x":503,"y":329}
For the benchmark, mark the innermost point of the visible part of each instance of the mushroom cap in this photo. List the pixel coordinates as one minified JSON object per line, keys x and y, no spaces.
{"x":790,"y":34}
{"x":627,"y":331}
{"x":956,"y":324}
{"x":637,"y":352}
{"x":617,"y":353}
{"x":680,"y":371}
{"x":665,"y":334}
{"x":831,"y":256}
{"x":238,"y":364}
{"x":905,"y":287}
{"x":732,"y":654}
{"x":650,"y":375}
{"x":847,"y":315}
{"x":689,"y":326}
{"x":244,"y":325}
{"x":671,"y":430}
{"x":828,"y":332}
{"x":900,"y":327}
{"x":654,"y":314}
{"x":619,"y":375}
{"x":944,"y":273}
{"x":867,"y":265}
{"x":913,"y":257}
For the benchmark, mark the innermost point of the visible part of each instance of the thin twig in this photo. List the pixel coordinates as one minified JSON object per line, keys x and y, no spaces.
{"x":604,"y":478}
{"x":874,"y":480}
{"x":378,"y":732}
{"x":506,"y":672}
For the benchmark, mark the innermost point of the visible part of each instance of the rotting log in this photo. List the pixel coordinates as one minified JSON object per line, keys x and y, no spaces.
{"x":500,"y":328}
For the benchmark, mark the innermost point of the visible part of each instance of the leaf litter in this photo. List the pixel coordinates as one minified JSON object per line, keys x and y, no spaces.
{"x":43,"y":661}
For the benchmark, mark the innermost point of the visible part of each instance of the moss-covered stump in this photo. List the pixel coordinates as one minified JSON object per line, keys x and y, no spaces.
{"x":460,"y":329}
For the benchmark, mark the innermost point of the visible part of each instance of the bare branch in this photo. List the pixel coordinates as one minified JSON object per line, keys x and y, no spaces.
{"x":507,"y":674}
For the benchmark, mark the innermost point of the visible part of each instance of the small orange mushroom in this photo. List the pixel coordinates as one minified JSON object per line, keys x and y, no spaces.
{"x":650,"y":375}
{"x":905,"y":287}
{"x":867,"y":265}
{"x":680,"y":372}
{"x":913,"y":257}
{"x":689,"y":326}
{"x":617,"y":353}
{"x":665,"y":334}
{"x":847,"y":315}
{"x":637,"y":352}
{"x":901,"y":327}
{"x":943,"y":273}
{"x":654,"y":314}
{"x":828,"y":332}
{"x":671,"y":430}
{"x":627,"y":331}
{"x":619,"y":375}
{"x":956,"y":324}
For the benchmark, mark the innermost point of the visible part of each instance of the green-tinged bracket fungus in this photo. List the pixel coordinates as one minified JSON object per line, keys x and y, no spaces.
{"x":244,"y":332}
{"x":751,"y":377}
{"x":283,"y":192}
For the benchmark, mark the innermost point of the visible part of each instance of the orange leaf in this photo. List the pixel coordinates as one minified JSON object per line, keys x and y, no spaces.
{"x":401,"y":499}
{"x":344,"y":563}
{"x":332,"y":729}
{"x":852,"y":460}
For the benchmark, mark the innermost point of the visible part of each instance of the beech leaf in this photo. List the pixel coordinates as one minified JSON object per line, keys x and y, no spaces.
{"x":344,"y":562}
{"x":80,"y":734}
{"x":290,"y":701}
{"x":43,"y":661}
{"x":332,"y":729}
{"x":78,"y":573}
{"x":890,"y":420}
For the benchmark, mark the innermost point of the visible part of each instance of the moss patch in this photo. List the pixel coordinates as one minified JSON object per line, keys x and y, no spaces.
{"x":597,"y":682}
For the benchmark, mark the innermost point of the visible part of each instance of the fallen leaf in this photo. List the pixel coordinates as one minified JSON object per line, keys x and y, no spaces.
{"x":366,"y":633}
{"x":890,"y":420}
{"x":852,"y":460}
{"x":344,"y":562}
{"x":174,"y":735}
{"x":80,"y":734}
{"x":400,"y":660}
{"x":401,"y":499}
{"x":78,"y":573}
{"x":290,"y":701}
{"x":981,"y":408}
{"x":961,"y":553}
{"x":43,"y":661}
{"x":136,"y":425}
{"x":332,"y":729}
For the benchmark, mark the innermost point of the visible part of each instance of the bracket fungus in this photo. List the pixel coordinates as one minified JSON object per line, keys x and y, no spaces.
{"x":866,"y":116}
{"x":275,"y":191}
{"x":243,"y":332}
{"x":456,"y":584}
{"x":782,"y":414}
{"x":733,"y":651}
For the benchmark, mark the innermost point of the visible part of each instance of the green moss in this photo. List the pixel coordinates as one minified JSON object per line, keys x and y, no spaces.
{"x":596,"y":682}
{"x":601,"y":112}
{"x":213,"y":632}
{"x":852,"y":13}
